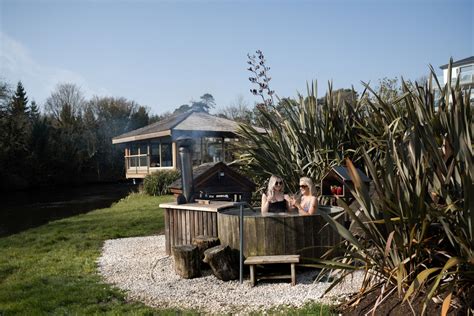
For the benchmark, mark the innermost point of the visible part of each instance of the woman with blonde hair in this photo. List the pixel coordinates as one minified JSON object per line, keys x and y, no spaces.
{"x":275,"y":200}
{"x":308,"y":203}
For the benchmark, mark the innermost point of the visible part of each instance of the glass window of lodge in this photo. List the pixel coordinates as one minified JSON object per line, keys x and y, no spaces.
{"x":166,"y":155}
{"x":153,"y":154}
{"x":143,"y":155}
{"x":212,"y":149}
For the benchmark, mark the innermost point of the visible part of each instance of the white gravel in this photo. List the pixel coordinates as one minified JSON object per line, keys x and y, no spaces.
{"x":141,"y":267}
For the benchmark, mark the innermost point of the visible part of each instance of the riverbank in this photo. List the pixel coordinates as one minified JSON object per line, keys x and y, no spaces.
{"x":22,"y":210}
{"x":52,"y":269}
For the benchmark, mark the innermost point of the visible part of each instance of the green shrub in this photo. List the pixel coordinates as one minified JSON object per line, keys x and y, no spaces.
{"x":158,"y":182}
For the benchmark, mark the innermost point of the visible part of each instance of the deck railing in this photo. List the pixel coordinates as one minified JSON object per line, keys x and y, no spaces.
{"x":134,"y":163}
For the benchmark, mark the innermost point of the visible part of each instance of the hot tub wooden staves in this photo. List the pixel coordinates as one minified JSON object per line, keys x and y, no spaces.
{"x":284,"y":234}
{"x":186,"y":221}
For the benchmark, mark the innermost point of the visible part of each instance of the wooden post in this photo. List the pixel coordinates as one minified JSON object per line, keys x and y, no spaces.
{"x":223,"y":150}
{"x":252,"y":275}
{"x":174,"y":154}
{"x":126,"y":160}
{"x":148,"y":158}
{"x":159,"y":154}
{"x":293,"y":274}
{"x":202,"y":151}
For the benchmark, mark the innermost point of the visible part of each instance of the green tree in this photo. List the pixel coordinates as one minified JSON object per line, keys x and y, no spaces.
{"x":34,"y":112}
{"x":4,"y":103}
{"x":39,"y":153}
{"x":182,"y":109}
{"x":19,"y":124}
{"x":64,"y":107}
{"x":16,"y":129}
{"x":139,"y":117}
{"x":158,"y":117}
{"x":208,"y":99}
{"x":104,"y":119}
{"x":206,"y":103}
{"x":19,"y":102}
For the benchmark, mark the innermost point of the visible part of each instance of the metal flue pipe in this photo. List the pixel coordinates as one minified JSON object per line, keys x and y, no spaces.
{"x":186,"y":173}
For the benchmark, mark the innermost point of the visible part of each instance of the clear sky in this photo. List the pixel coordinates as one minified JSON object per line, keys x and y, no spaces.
{"x":163,"y":54}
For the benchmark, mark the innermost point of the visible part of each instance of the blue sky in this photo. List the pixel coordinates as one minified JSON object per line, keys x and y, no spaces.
{"x":165,"y":53}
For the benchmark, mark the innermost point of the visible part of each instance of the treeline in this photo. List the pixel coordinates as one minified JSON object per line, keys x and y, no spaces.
{"x":69,"y":142}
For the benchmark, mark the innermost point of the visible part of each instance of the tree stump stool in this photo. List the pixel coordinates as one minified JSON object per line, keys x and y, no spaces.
{"x":223,"y":262}
{"x":187,"y":263}
{"x":203,"y":243}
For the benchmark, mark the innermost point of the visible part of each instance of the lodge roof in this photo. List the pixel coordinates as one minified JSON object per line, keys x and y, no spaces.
{"x":190,"y":121}
{"x":462,"y":62}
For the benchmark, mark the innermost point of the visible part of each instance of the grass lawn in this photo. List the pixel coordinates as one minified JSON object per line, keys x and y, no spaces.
{"x":52,"y":269}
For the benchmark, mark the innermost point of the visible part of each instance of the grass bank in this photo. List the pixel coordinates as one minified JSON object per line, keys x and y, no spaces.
{"x":52,"y":269}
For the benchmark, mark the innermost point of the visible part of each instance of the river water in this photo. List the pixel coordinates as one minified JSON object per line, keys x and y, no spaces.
{"x":26,"y":209}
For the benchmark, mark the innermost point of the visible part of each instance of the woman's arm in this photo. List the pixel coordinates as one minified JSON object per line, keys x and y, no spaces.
{"x":299,"y":208}
{"x":314,"y":206}
{"x":288,"y":202}
{"x":265,"y":204}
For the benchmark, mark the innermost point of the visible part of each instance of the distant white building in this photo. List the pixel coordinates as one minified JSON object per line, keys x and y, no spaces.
{"x":464,"y":70}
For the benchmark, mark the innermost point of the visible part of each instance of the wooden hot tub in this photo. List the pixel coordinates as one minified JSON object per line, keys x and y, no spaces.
{"x":275,"y":234}
{"x":279,"y":234}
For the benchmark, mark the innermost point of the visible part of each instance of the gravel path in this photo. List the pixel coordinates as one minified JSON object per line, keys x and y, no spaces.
{"x":141,"y":267}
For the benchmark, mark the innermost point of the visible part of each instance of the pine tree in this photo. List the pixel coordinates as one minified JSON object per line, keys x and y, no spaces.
{"x":18,"y":119}
{"x":207,"y":102}
{"x":34,"y":112}
{"x":16,"y":137}
{"x":4,"y":124}
{"x":19,"y":103}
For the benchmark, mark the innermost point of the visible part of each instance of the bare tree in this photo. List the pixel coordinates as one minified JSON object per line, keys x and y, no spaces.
{"x":66,"y":103}
{"x":239,"y":110}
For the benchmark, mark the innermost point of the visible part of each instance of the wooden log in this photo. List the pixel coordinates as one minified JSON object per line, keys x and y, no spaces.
{"x":223,"y":262}
{"x":205,"y":242}
{"x":187,"y":263}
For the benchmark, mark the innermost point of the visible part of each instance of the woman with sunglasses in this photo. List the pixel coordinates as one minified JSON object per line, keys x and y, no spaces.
{"x":275,"y":200}
{"x":308,"y":203}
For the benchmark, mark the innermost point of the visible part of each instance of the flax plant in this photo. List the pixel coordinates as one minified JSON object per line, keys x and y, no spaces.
{"x":415,"y":228}
{"x":418,"y":235}
{"x":304,"y":137}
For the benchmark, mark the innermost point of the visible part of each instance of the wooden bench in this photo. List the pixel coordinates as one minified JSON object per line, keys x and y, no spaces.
{"x":255,"y":260}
